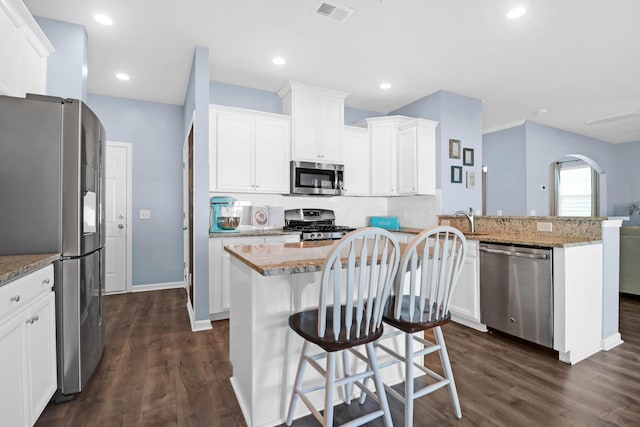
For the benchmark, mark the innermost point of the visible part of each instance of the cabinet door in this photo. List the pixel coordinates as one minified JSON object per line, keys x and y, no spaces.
{"x":13,"y":389}
{"x":383,"y":159}
{"x":330,"y":129}
{"x":234,"y":151}
{"x":272,"y":148}
{"x":305,"y":126}
{"x":407,"y":162}
{"x":357,"y":161}
{"x":465,"y":301}
{"x":41,"y":348}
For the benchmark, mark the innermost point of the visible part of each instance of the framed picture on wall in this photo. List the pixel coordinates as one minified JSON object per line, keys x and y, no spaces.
{"x":467,"y":156}
{"x":456,"y":174}
{"x":454,"y":148}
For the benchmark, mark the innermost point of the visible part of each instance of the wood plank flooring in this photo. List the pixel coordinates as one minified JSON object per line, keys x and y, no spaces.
{"x":156,"y":372}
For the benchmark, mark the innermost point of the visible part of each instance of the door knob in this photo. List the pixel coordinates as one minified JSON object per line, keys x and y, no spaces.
{"x":120,"y":226}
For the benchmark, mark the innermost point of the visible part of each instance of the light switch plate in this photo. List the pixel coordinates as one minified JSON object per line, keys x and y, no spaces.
{"x":545,"y":226}
{"x":145,"y":214}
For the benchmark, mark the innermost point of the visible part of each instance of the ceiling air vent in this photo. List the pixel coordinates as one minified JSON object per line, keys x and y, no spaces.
{"x":333,"y":11}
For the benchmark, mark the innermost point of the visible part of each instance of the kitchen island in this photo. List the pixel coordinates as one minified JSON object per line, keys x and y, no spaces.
{"x":269,"y":282}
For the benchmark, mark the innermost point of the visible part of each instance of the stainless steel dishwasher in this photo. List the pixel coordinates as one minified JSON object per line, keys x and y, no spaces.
{"x":516,"y":291}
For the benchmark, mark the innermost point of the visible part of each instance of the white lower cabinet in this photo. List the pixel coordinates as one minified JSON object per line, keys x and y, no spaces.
{"x":465,"y":303}
{"x":28,"y":374}
{"x":220,"y":268}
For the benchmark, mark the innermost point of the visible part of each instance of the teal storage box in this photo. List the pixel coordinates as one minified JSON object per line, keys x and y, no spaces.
{"x":387,"y":222}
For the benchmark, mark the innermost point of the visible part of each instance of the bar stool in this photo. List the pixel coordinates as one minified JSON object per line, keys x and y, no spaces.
{"x":356,"y":282}
{"x":429,"y":271}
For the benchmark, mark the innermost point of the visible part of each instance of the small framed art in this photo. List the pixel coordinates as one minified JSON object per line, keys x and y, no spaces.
{"x":456,"y":174}
{"x":467,"y":156}
{"x":454,"y":148}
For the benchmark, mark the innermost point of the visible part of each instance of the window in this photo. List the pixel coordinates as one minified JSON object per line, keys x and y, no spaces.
{"x":577,"y":189}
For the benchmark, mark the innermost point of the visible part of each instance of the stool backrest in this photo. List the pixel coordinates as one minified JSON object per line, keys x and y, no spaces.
{"x":429,"y":271}
{"x":358,"y":274}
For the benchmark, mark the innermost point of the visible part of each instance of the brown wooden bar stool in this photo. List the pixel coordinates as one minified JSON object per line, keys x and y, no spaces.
{"x":356,"y":282}
{"x":428,"y":273}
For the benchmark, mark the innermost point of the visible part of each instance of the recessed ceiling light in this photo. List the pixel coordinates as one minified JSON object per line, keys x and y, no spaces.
{"x":516,"y":12}
{"x":542,"y":110}
{"x":122,"y":76}
{"x":385,"y":86}
{"x":278,"y":60}
{"x":103,"y":19}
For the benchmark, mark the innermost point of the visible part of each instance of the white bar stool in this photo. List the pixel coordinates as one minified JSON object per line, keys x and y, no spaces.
{"x":357,"y":279}
{"x":429,"y":271}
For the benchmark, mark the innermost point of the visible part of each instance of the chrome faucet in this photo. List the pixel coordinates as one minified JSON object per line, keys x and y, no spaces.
{"x":469,"y":217}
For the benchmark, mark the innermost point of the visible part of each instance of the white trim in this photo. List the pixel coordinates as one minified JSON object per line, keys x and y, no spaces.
{"x":157,"y":286}
{"x":241,"y":401}
{"x":219,"y":316}
{"x":197,"y":325}
{"x":129,"y":149}
{"x":611,"y":341}
{"x":469,"y":323}
{"x":22,"y":18}
{"x":504,"y":126}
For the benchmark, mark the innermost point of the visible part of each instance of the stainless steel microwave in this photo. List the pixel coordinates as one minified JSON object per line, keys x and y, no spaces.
{"x":319,"y":179}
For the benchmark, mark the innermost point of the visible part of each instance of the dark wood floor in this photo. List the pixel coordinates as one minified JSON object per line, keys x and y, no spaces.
{"x":156,"y":372}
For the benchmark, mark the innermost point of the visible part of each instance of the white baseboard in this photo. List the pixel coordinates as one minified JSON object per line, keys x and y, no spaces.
{"x":241,"y":401}
{"x":611,"y":341}
{"x":157,"y":286}
{"x":469,"y":323}
{"x":197,"y":325}
{"x":219,"y":316}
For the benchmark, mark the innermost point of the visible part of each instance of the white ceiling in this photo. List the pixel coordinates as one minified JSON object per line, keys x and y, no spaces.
{"x":579,"y":59}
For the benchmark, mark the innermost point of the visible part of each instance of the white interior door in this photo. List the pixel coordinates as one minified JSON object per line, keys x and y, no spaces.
{"x":117,"y":217}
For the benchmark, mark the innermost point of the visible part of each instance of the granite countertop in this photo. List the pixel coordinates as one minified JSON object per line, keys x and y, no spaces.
{"x":14,"y":266}
{"x":251,"y":232}
{"x":529,"y":239}
{"x":283,"y":258}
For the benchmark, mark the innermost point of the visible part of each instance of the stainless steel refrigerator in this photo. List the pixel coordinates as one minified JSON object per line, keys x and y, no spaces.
{"x":52,"y":193}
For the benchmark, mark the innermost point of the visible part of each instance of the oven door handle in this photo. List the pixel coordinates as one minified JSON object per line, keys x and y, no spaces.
{"x":515,"y":253}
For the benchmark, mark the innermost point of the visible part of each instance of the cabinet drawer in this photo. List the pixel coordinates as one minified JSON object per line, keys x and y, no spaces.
{"x":22,"y":291}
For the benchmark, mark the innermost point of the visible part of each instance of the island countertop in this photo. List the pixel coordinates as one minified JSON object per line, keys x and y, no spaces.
{"x":283,"y":258}
{"x":14,"y":266}
{"x":527,"y":239}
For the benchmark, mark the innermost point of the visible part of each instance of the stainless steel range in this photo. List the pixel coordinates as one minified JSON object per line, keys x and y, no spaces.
{"x":314,"y":224}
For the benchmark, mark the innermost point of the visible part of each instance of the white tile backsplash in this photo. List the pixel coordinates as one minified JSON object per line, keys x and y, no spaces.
{"x":350,"y":211}
{"x":415,"y":211}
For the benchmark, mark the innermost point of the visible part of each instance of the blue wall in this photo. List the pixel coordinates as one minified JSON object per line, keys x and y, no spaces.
{"x":624,"y":189}
{"x":67,"y":65}
{"x":354,"y":115}
{"x":244,"y":97}
{"x":196,"y":105}
{"x":459,"y":117}
{"x":542,"y":146}
{"x":155,"y":133}
{"x":504,"y":155}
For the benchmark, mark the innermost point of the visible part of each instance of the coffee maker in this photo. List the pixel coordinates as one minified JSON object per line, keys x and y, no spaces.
{"x":225,"y":216}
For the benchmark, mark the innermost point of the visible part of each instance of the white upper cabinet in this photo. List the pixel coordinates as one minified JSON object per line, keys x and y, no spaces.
{"x":403,"y":157}
{"x":317,"y":116}
{"x":357,"y":161}
{"x":418,"y":139}
{"x":23,"y":51}
{"x":383,"y":134}
{"x":249,"y":151}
